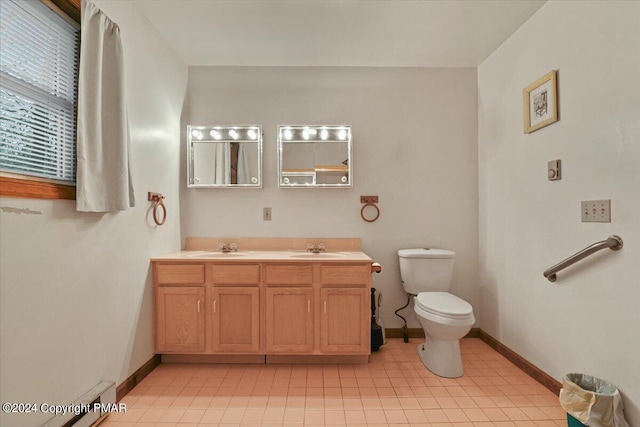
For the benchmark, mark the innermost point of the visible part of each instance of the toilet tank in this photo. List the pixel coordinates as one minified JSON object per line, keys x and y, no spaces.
{"x":426,"y":269}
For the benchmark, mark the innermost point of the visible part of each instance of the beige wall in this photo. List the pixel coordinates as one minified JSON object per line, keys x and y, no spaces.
{"x":75,"y":288}
{"x":588,"y":320}
{"x":415,"y":138}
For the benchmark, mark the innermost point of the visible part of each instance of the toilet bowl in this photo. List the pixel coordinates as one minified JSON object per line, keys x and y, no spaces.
{"x":426,"y":274}
{"x":445,"y":319}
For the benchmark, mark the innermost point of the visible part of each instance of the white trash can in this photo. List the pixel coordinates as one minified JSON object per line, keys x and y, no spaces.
{"x":590,"y":401}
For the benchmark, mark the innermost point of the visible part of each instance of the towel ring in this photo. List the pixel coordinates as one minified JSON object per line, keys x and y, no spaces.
{"x":370,"y":219}
{"x":369,"y":201}
{"x":158,"y":203}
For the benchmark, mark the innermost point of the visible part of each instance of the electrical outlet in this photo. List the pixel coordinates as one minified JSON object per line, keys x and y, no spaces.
{"x":596,"y":211}
{"x":266,"y":214}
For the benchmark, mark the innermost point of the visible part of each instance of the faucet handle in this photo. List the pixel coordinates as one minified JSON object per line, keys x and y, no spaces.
{"x":233,"y":247}
{"x":222,"y":247}
{"x":315,"y":247}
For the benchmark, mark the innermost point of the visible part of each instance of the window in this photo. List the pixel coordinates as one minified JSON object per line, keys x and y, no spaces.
{"x":39,"y":57}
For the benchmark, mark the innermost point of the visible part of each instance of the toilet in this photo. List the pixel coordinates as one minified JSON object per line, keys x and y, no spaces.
{"x":445,"y":318}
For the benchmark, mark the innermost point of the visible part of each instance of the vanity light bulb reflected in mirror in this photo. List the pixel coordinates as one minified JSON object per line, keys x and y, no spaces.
{"x":308,"y":132}
{"x":215,"y":134}
{"x":233,"y":134}
{"x":252,"y":134}
{"x":324,"y":134}
{"x":342,"y":134}
{"x":287,"y":134}
{"x":196,"y":134}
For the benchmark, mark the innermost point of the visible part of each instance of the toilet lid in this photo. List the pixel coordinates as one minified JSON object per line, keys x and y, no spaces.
{"x":444,"y":303}
{"x":426,"y":253}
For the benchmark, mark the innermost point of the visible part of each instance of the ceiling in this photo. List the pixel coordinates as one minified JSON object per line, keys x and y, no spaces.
{"x":394,"y":33}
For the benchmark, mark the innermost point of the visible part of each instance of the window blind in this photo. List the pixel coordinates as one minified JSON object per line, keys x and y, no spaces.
{"x":39,"y":56}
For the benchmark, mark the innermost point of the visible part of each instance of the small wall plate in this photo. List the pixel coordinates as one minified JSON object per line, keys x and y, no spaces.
{"x":554,"y":170}
{"x":596,"y":210}
{"x":368,"y":199}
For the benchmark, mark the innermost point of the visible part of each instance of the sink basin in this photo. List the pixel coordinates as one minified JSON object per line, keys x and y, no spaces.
{"x":216,"y":254}
{"x":310,"y":255}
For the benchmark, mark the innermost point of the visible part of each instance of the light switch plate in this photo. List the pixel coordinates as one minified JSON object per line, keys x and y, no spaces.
{"x":554,"y":170}
{"x":596,"y":211}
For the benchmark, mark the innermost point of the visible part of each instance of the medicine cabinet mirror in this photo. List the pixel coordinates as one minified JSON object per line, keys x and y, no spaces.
{"x":314,"y":156}
{"x":224,"y":156}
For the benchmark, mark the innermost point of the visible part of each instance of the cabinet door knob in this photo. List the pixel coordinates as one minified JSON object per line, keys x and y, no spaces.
{"x":198,"y":306}
{"x":214,"y":305}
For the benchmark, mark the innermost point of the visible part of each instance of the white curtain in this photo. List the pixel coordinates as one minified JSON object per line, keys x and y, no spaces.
{"x":244,"y":171}
{"x":222,"y":163}
{"x":103,"y":180}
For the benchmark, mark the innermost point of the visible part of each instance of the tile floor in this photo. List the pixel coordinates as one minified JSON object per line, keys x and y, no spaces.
{"x":394,"y":389}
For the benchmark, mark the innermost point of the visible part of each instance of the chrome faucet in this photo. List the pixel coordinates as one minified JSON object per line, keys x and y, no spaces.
{"x":315,"y":248}
{"x":228,"y":248}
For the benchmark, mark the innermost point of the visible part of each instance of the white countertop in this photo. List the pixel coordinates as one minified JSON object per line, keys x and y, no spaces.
{"x":262,"y":256}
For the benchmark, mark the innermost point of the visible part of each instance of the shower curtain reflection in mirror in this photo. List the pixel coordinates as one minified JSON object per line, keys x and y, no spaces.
{"x":225,"y":163}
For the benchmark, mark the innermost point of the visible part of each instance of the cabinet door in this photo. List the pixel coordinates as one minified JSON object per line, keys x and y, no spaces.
{"x":236,"y":319}
{"x":180,"y":319}
{"x":345,"y":321}
{"x":289,"y":325}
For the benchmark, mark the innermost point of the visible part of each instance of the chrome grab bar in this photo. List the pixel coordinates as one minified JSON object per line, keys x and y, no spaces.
{"x":613,"y":242}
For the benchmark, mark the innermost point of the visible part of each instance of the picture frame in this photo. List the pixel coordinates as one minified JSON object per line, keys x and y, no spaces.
{"x":540,"y":100}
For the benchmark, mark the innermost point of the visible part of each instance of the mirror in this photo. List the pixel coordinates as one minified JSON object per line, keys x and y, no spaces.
{"x":314,"y":156}
{"x":224,"y":156}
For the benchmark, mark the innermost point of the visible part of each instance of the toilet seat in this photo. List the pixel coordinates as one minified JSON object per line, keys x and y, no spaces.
{"x":444,"y":304}
{"x":444,"y":308}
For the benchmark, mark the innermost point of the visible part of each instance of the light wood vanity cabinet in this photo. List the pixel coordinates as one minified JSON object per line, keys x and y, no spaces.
{"x":179,"y":305}
{"x":235,"y":319}
{"x":345,"y":325}
{"x":179,"y":274}
{"x":234,"y":308}
{"x":346,"y":309}
{"x":289,"y":308}
{"x":180,"y":319}
{"x":289,"y":320}
{"x":277,"y":309}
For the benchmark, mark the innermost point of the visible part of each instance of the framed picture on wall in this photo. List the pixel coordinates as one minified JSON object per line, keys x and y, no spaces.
{"x":541,"y":102}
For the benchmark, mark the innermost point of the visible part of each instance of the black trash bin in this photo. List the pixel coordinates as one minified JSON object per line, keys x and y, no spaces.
{"x":590,"y":401}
